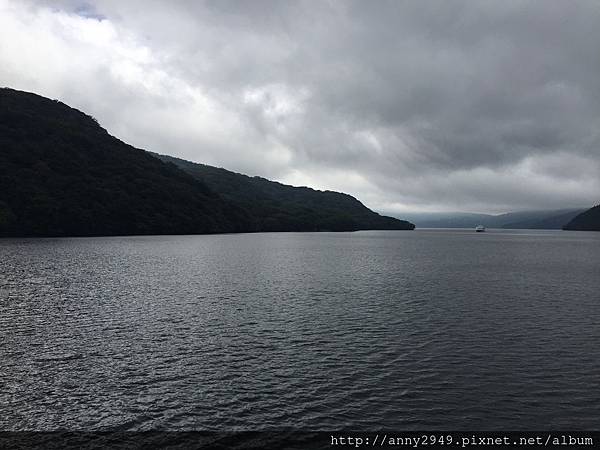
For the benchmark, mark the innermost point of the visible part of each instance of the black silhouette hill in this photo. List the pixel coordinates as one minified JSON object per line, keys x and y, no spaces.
{"x":62,"y":174}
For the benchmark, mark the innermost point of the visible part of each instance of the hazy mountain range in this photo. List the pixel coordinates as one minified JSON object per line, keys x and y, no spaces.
{"x":540,"y":219}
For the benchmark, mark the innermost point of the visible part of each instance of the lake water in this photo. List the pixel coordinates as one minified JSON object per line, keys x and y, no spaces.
{"x":429,"y":329}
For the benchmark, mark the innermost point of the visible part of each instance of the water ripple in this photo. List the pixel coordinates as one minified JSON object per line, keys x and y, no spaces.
{"x":419,"y":330}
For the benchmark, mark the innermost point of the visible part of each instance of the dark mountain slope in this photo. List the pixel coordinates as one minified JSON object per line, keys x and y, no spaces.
{"x":586,"y":221}
{"x":279,"y":207}
{"x":61,"y":174}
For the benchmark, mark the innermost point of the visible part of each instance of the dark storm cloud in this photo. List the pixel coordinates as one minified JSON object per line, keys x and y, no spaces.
{"x":408,"y":105}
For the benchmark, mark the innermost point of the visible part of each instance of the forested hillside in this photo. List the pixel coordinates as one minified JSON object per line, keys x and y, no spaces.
{"x":62,"y":174}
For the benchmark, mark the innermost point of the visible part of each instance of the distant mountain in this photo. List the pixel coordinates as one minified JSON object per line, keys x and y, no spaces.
{"x":448,"y":220}
{"x":542,"y":219}
{"x":586,"y":221}
{"x":279,"y":207}
{"x":61,"y":174}
{"x":555,"y":221}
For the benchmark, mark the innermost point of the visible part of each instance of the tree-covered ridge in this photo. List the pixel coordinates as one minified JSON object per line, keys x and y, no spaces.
{"x":279,"y":207}
{"x":61,"y":174}
{"x":586,"y":221}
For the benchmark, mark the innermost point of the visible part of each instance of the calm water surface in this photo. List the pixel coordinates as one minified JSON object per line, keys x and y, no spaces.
{"x":431,"y":329}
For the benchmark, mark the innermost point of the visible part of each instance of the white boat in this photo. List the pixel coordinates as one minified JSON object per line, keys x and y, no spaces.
{"x":480,"y":228}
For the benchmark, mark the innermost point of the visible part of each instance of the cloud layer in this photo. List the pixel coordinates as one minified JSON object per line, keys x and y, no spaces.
{"x":484,"y":106}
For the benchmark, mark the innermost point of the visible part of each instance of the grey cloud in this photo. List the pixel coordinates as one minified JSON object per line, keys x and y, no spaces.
{"x":407,"y":105}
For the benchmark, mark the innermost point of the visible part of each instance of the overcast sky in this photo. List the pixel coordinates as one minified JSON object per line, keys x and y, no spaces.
{"x":486,"y":106}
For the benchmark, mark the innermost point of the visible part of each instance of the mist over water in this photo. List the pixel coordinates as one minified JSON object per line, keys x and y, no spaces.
{"x":425,"y":329}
